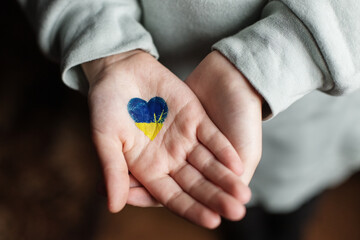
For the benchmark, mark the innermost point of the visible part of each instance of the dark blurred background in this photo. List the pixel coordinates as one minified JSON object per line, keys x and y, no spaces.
{"x":49,"y":171}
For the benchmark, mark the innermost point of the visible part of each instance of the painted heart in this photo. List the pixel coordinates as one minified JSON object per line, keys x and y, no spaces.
{"x":148,"y":116}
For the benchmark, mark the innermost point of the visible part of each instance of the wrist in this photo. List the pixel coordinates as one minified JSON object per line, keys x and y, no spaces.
{"x":94,"y":69}
{"x":231,"y":72}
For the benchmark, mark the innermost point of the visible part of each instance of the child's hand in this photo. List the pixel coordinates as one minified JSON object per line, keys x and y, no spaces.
{"x":181,"y":167}
{"x":233,"y":105}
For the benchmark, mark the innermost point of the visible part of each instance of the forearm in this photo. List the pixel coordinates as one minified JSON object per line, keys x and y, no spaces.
{"x":298,"y":47}
{"x":75,"y":32}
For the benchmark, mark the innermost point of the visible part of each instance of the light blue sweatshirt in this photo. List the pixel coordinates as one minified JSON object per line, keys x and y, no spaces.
{"x":291,"y":51}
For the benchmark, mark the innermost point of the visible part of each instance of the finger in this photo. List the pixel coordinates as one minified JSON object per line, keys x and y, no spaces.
{"x":115,"y":171}
{"x":217,"y":173}
{"x":140,"y":197}
{"x":209,"y":135}
{"x":134,"y":182}
{"x":208,"y":194}
{"x":169,"y":193}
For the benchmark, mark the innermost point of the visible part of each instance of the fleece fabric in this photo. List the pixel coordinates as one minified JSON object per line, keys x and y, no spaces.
{"x":297,"y":54}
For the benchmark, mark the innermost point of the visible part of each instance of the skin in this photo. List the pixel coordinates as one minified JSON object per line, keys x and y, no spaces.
{"x":236,"y":101}
{"x":190,"y":167}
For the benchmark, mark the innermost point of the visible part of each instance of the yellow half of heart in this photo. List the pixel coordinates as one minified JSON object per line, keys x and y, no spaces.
{"x":150,"y":129}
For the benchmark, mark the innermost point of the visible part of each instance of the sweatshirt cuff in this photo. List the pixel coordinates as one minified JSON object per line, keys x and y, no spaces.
{"x":279,"y":57}
{"x":97,"y":30}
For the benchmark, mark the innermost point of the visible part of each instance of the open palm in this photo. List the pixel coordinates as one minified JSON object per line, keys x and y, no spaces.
{"x":186,"y":167}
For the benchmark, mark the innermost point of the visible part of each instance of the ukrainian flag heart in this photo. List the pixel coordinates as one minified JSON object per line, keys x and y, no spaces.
{"x":148,"y":116}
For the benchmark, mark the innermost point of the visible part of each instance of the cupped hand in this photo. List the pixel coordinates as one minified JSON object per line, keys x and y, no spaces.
{"x":233,"y":105}
{"x":189,"y":167}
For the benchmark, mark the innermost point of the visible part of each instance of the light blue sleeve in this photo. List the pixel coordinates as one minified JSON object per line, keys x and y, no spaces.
{"x":298,"y":47}
{"x":77,"y":31}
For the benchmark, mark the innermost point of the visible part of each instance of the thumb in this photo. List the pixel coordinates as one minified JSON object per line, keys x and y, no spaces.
{"x":115,"y":170}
